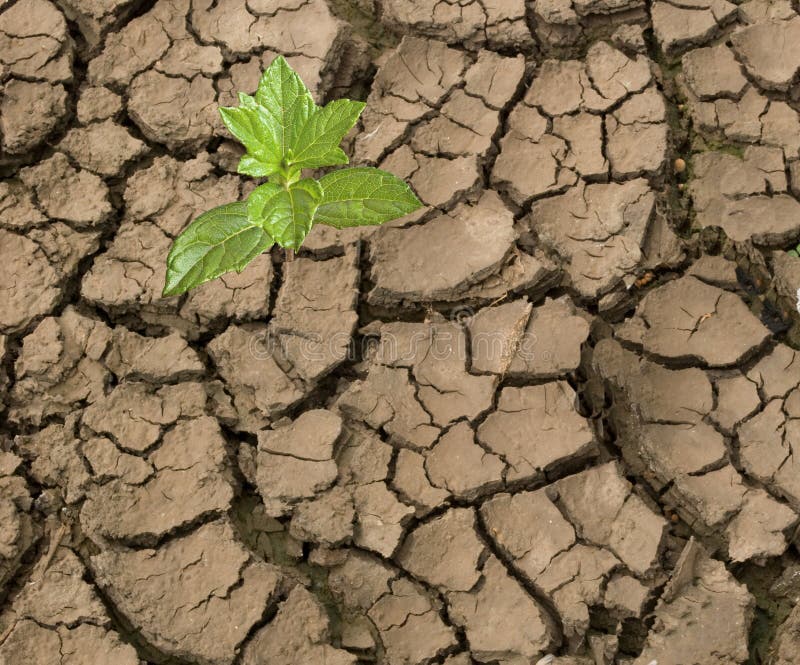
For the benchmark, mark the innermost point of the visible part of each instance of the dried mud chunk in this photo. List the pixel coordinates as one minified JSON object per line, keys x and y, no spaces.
{"x":495,"y":334}
{"x":787,"y":641}
{"x":715,"y":270}
{"x":192,"y":481}
{"x":767,"y":443}
{"x":130,"y":273}
{"x":154,"y":359}
{"x":295,"y":462}
{"x":187,"y":58}
{"x":758,"y":530}
{"x":414,"y":79}
{"x":536,"y":430}
{"x":34,"y":43}
{"x":387,"y":399}
{"x":598,"y":230}
{"x":232,"y":26}
{"x":531,"y":161}
{"x":626,"y":595}
{"x":35,"y":270}
{"x":77,"y":197}
{"x":707,"y":621}
{"x":770,"y":52}
{"x":446,"y":390}
{"x":328,"y":518}
{"x":172,"y":193}
{"x":410,"y":626}
{"x":411,"y":482}
{"x":464,"y":126}
{"x":438,"y":180}
{"x":637,"y":136}
{"x":97,"y":103}
{"x":134,"y":48}
{"x":402,"y":258}
{"x":498,"y":24}
{"x":299,"y":634}
{"x":687,"y":448}
{"x":691,"y":322}
{"x":64,"y":617}
{"x":445,"y":552}
{"x":737,"y":399}
{"x":731,"y":193}
{"x":59,"y":596}
{"x":551,"y":344}
{"x":529,"y":528}
{"x":776,"y":374}
{"x":55,"y":458}
{"x":59,"y":367}
{"x":680,"y":24}
{"x":18,"y":532}
{"x":205,"y":578}
{"x":316,"y":336}
{"x":613,"y":74}
{"x":362,"y":458}
{"x":494,"y":78}
{"x":360,"y":580}
{"x":134,"y":414}
{"x":502,"y":622}
{"x":153,"y":106}
{"x":102,"y":147}
{"x":601,"y":505}
{"x":261,"y":390}
{"x":243,"y":296}
{"x":18,"y":210}
{"x":574,"y":579}
{"x":380,"y":518}
{"x":29,"y":112}
{"x":94,"y":18}
{"x":461,"y":466}
{"x":714,"y":72}
{"x":107,"y":462}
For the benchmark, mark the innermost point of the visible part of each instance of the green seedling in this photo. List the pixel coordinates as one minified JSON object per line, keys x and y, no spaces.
{"x":284,"y":133}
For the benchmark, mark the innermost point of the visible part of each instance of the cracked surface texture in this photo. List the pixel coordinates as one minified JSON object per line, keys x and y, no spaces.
{"x":550,"y":418}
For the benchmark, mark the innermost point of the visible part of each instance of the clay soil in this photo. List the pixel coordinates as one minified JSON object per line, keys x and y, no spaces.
{"x":549,"y":418}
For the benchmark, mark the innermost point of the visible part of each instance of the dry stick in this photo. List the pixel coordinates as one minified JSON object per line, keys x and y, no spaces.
{"x":55,"y":542}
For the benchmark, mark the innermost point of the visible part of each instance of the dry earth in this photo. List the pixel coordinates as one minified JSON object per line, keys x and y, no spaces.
{"x":552,"y":415}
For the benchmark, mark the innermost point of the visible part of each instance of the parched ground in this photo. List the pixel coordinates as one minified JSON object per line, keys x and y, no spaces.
{"x":550,"y":418}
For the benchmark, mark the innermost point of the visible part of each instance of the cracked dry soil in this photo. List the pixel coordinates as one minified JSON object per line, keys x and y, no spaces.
{"x":552,"y":414}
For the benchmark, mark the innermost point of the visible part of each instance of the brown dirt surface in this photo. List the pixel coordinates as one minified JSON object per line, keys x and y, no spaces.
{"x":548,"y":419}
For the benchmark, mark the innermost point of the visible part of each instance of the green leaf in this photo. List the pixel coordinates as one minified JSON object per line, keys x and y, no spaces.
{"x":218,"y":241}
{"x":285,"y":213}
{"x":363,"y":196}
{"x":252,"y":166}
{"x":318,"y":141}
{"x":287,"y":102}
{"x":250,"y":123}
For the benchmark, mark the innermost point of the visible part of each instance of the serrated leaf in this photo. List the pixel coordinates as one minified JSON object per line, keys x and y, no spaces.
{"x":286,"y":214}
{"x":318,"y":142}
{"x":252,"y":166}
{"x":253,"y":127}
{"x":285,"y":99}
{"x":363,"y":196}
{"x":218,"y":241}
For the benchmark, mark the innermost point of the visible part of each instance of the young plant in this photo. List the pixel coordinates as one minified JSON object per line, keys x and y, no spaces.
{"x":284,"y":132}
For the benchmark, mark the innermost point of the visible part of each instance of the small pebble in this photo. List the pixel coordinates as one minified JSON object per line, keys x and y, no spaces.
{"x":680,"y":165}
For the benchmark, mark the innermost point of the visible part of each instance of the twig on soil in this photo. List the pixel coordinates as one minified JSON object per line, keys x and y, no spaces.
{"x":55,"y":543}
